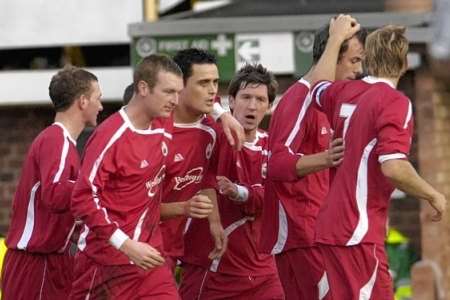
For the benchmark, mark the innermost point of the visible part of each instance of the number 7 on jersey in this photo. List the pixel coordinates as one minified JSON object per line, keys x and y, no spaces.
{"x":346,"y":112}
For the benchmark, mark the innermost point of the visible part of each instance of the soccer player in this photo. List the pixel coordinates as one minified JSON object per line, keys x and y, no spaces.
{"x":242,"y":272}
{"x":37,"y":264}
{"x":376,"y":122}
{"x":117,"y":194}
{"x":191,"y":152}
{"x":300,"y":153}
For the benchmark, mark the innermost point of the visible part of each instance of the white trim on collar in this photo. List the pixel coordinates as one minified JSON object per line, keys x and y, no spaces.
{"x":305,"y":82}
{"x":66,"y":132}
{"x":373,"y":79}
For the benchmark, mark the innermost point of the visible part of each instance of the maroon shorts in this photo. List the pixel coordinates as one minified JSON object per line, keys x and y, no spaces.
{"x":28,"y":275}
{"x":301,"y":272}
{"x":357,"y":272}
{"x":96,"y":281}
{"x":201,"y":284}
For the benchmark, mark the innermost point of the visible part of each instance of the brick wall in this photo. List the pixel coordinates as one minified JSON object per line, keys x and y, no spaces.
{"x":19,"y":125}
{"x":431,"y":277}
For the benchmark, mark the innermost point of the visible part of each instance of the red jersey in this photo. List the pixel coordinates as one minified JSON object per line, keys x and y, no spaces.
{"x":188,"y":162}
{"x":241,"y":221}
{"x":292,"y":203}
{"x":117,"y":192}
{"x":376,"y":122}
{"x":41,"y":220}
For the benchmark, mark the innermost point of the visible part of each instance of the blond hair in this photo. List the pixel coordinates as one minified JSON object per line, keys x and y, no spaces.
{"x":386,"y":51}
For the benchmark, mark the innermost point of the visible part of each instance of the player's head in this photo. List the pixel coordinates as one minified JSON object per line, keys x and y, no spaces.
{"x":201,"y":79}
{"x":351,"y":53}
{"x":386,"y":52}
{"x":128,"y":94}
{"x":157,"y":82}
{"x":76,"y":89}
{"x":251,"y":92}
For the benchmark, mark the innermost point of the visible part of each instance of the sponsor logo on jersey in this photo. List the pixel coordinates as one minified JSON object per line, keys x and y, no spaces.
{"x":152,"y":185}
{"x":164,"y":148}
{"x":178,"y":157}
{"x":193,"y":176}
{"x":323,"y":130}
{"x":264,"y":170}
{"x":144,"y":164}
{"x":209,"y":150}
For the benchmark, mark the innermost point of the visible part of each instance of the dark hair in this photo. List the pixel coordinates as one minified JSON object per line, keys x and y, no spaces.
{"x":69,"y":84}
{"x":188,"y":57}
{"x":253,"y":74}
{"x":321,"y":38}
{"x":148,"y":68}
{"x":128,"y":94}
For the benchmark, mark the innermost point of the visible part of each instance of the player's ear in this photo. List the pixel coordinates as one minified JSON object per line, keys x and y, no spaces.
{"x":231,"y":102}
{"x":82,"y":101}
{"x":142,"y":88}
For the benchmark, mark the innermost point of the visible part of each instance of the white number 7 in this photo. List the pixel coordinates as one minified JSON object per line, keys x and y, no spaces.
{"x":346,"y":113}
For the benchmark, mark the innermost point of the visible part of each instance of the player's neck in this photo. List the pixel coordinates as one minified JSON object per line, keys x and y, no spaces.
{"x":250,"y":136}
{"x":138,"y":115}
{"x":72,"y":122}
{"x":183,"y":114}
{"x":393,"y":80}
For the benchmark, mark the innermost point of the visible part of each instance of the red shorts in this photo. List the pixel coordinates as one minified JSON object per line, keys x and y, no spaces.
{"x":200,"y":284}
{"x":96,"y":281}
{"x":36,"y":276}
{"x":357,"y":272}
{"x":301,"y":272}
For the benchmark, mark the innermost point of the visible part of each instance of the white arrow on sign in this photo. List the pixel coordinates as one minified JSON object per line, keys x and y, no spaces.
{"x":248,"y":52}
{"x":273,"y":50}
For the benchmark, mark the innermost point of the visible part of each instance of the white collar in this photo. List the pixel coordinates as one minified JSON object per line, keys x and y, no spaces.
{"x":373,"y":79}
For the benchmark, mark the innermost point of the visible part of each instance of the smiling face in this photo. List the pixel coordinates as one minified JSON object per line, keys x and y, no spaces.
{"x":200,"y":89}
{"x":250,"y":105}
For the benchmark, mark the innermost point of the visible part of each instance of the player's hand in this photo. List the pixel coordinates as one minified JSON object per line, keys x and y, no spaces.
{"x":199,"y":206}
{"x":227,"y":188}
{"x":439,"y":203}
{"x":220,"y":240}
{"x":142,"y":254}
{"x":335,"y":154}
{"x":343,"y":27}
{"x":233,"y":130}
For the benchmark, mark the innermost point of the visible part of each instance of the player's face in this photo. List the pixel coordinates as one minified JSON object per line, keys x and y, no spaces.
{"x":250,"y":105}
{"x":350,"y":63}
{"x":200,"y":89}
{"x":93,"y":105}
{"x":163,"y":97}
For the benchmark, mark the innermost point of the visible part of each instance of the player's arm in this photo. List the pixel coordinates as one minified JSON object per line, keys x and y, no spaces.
{"x":215,"y":226}
{"x":55,"y":170}
{"x":233,"y":130}
{"x":341,"y":28}
{"x":404,"y":177}
{"x":199,"y":207}
{"x":249,"y":197}
{"x":394,"y":125}
{"x":287,"y":165}
{"x":86,"y":204}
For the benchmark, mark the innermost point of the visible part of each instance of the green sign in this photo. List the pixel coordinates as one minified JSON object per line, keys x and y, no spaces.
{"x":281,"y":53}
{"x":303,"y":47}
{"x":221,"y":45}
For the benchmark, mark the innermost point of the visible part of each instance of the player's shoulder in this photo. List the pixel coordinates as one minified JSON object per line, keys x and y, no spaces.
{"x":110,"y":124}
{"x":50,"y":135}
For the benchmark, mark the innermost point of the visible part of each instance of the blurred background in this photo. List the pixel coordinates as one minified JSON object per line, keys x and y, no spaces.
{"x":109,"y":36}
